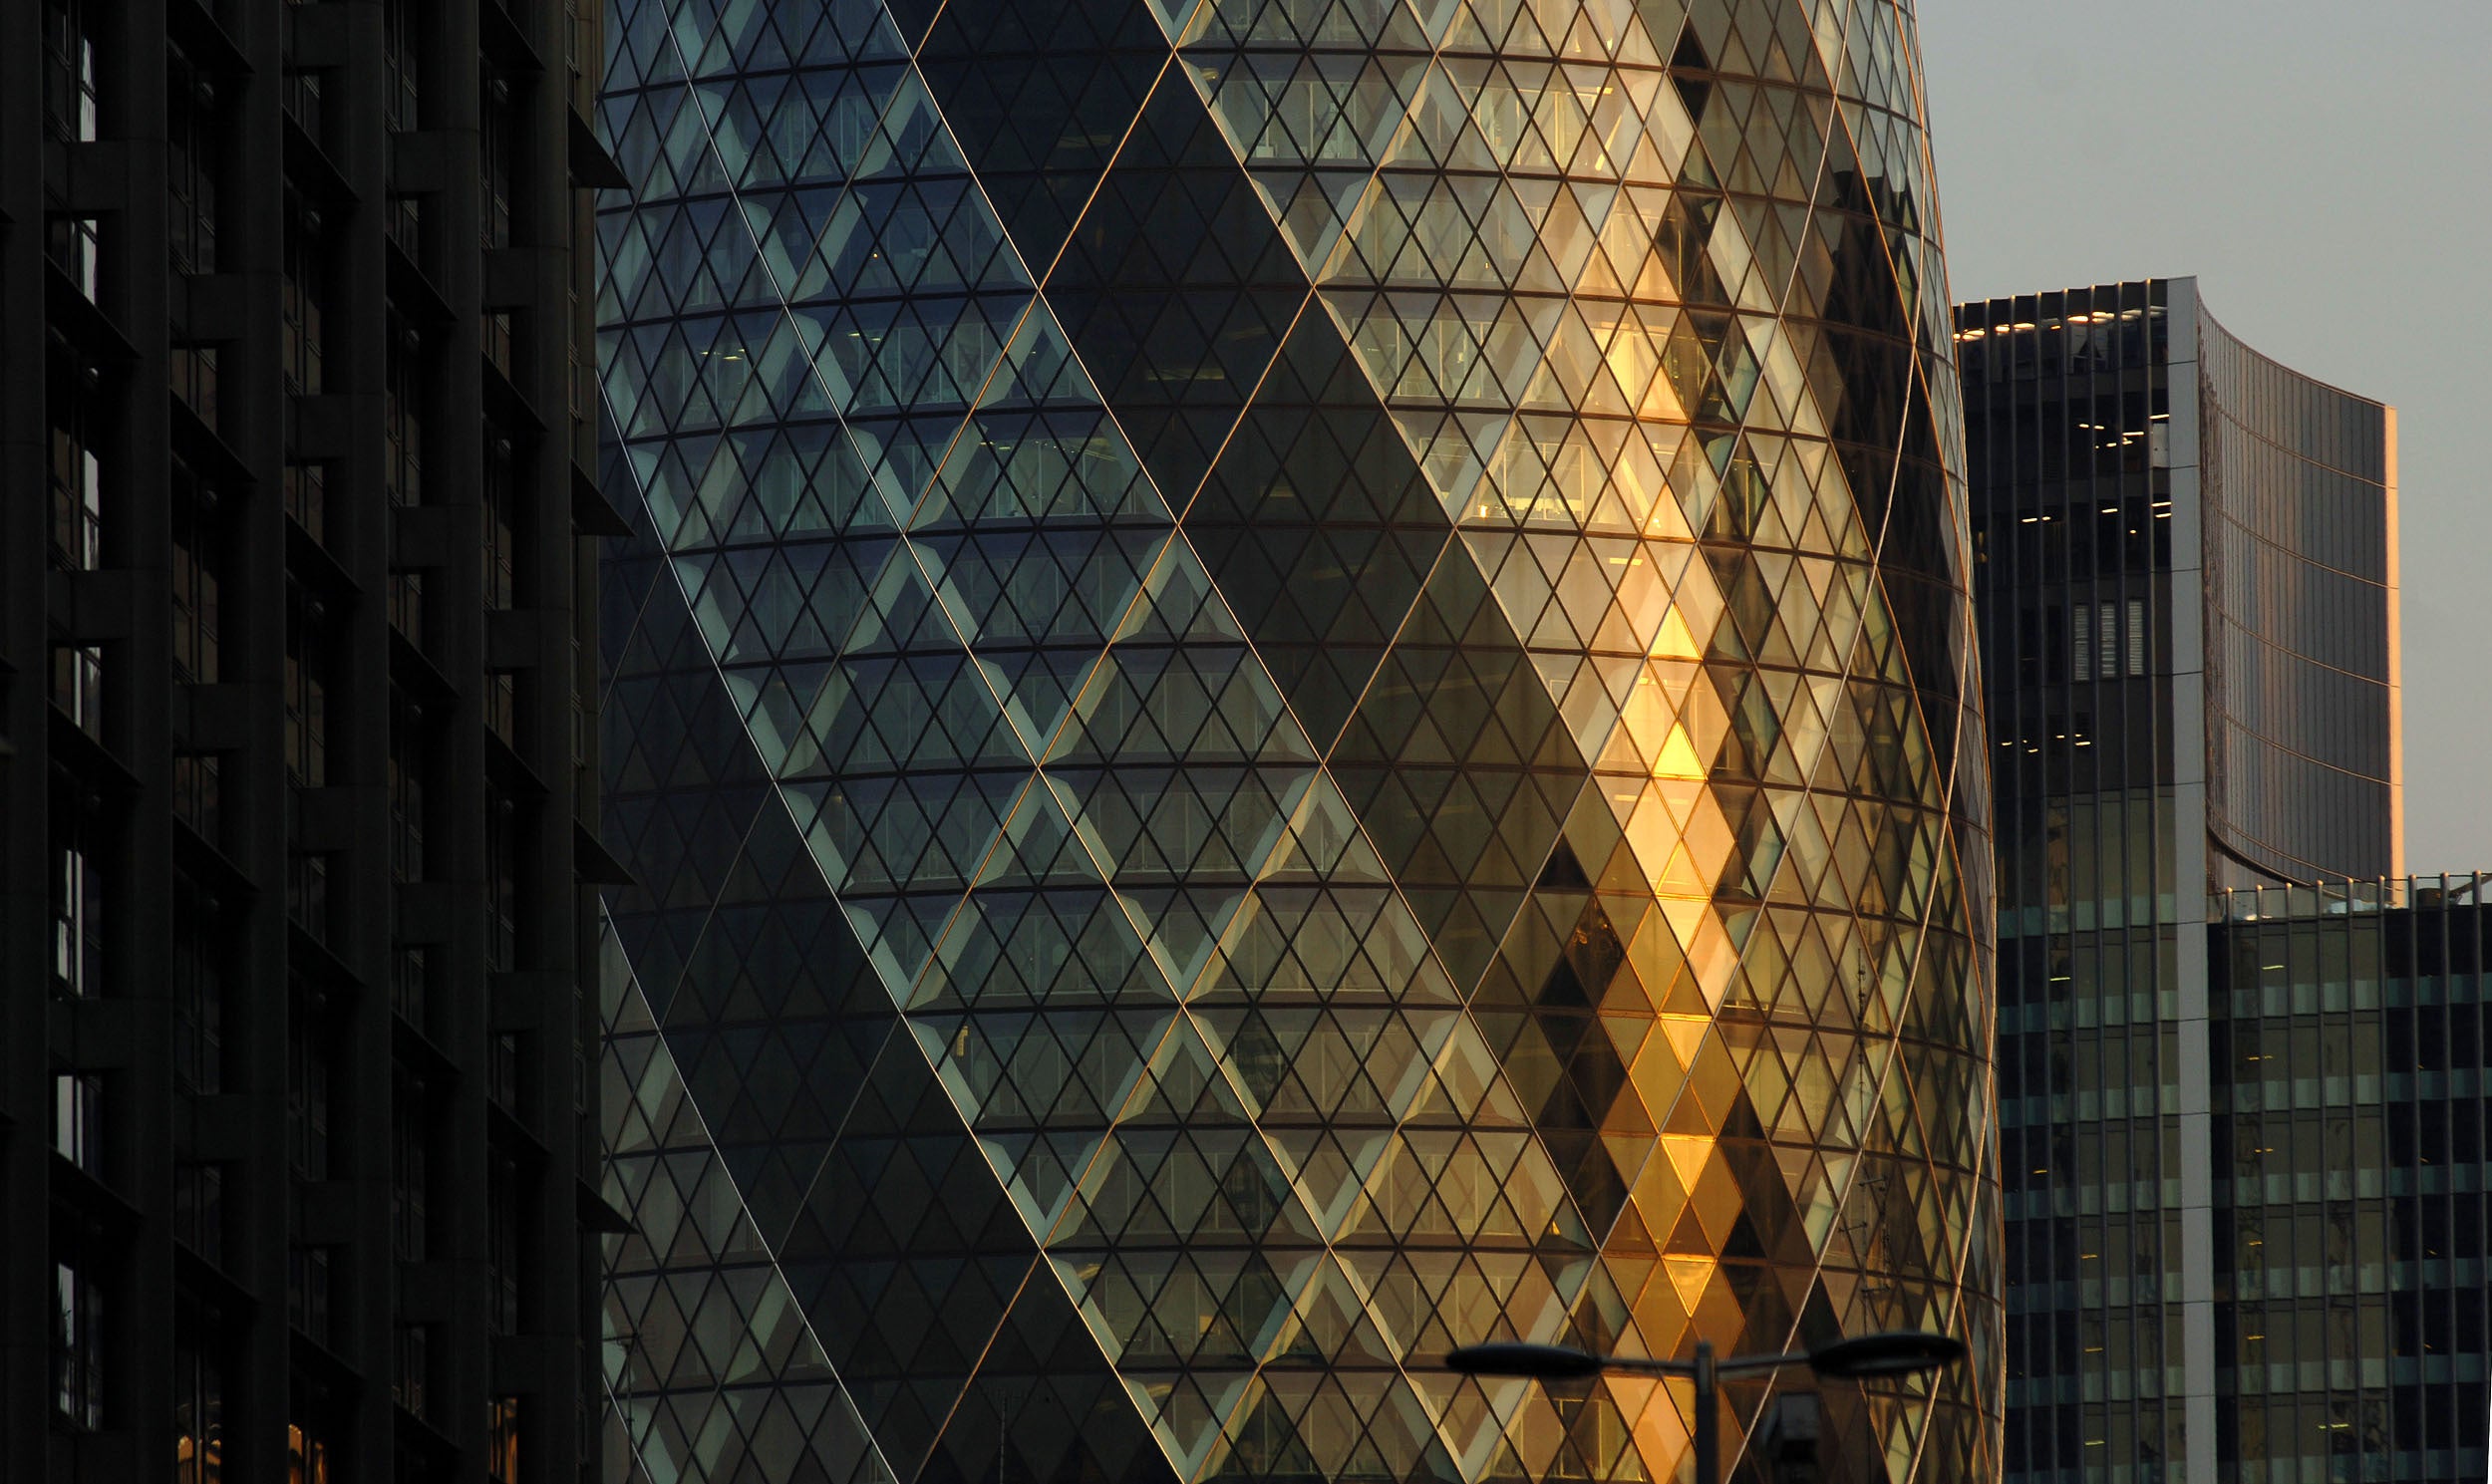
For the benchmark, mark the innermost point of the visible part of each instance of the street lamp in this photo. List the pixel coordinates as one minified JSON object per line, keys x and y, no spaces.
{"x":1895,"y":1353}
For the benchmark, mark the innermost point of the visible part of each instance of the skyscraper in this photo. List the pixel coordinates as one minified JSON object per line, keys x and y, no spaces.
{"x":297,"y":796}
{"x":2186,"y":571}
{"x":2352,"y":1320}
{"x":1294,"y":687}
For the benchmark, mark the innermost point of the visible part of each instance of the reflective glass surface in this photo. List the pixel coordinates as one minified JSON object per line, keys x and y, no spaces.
{"x":2181,"y":570}
{"x":2300,"y":518}
{"x":2352,"y":1321}
{"x":1293,"y":689}
{"x":2084,"y":514}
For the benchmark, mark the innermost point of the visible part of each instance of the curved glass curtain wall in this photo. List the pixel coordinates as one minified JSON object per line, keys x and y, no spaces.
{"x":2299,"y":506}
{"x":1292,"y":687}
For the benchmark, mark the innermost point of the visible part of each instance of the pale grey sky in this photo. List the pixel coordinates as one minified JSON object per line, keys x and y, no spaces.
{"x":2322,"y":166}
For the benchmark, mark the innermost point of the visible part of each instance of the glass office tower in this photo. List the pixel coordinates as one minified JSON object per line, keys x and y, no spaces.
{"x":1295,"y":687}
{"x":2347,"y":1107}
{"x":2186,"y":571}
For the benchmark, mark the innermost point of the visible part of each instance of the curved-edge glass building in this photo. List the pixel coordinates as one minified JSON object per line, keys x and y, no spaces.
{"x":2186,"y":574}
{"x":1294,"y":687}
{"x":2304,"y":769}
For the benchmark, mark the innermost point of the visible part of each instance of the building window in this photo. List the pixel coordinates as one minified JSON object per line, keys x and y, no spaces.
{"x":198,"y":1394}
{"x":501,"y":707}
{"x":2109,"y":640}
{"x":402,"y":56}
{"x":197,"y":965}
{"x":307,"y":496}
{"x":198,"y":572}
{"x":302,"y":100}
{"x":307,"y":1291}
{"x":402,"y":410}
{"x":501,"y":530}
{"x":502,"y":1068}
{"x":74,"y":472}
{"x":200,"y":1209}
{"x":580,"y":44}
{"x":78,"y":1120}
{"x":78,"y":685}
{"x":307,"y":650}
{"x":501,"y":1219}
{"x":78,"y":1344}
{"x":403,"y":219}
{"x":407,"y":606}
{"x":502,"y":884}
{"x":307,"y":892}
{"x":410,"y":1366}
{"x":198,"y":794}
{"x":69,"y":93}
{"x":411,"y":767}
{"x":192,"y":139}
{"x":306,"y":1452}
{"x":502,"y":1440}
{"x":308,"y":1073}
{"x":501,"y":339}
{"x":496,"y":169}
{"x":76,"y":246}
{"x":303,"y":295}
{"x":411,"y":1178}
{"x":408,"y":987}
{"x":77,"y":908}
{"x":402,"y":455}
{"x":191,"y":369}
{"x":501,"y":568}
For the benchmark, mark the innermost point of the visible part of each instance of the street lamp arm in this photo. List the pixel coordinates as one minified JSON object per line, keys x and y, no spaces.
{"x":1683,"y":1369}
{"x":1728,"y":1366}
{"x":1549,"y":1361}
{"x":1639,"y":1365}
{"x":1736,"y":1363}
{"x":1892,"y":1355}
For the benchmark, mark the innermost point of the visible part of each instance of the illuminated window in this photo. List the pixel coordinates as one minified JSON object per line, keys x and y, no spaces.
{"x":502,"y":1440}
{"x":198,"y":1397}
{"x":2109,"y":640}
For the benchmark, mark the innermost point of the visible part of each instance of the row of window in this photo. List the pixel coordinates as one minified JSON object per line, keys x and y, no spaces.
{"x":2081,"y":641}
{"x":2078,"y":332}
{"x":2019,"y":551}
{"x":2409,"y":1430}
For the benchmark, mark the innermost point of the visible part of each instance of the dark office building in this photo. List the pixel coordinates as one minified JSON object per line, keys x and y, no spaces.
{"x":2347,"y":1105}
{"x":2185,"y":565}
{"x":294,"y":605}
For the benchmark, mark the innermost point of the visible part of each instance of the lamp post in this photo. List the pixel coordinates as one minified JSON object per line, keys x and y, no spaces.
{"x":1895,"y":1353}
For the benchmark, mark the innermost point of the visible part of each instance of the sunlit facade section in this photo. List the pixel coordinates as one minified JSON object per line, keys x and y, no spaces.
{"x":1295,"y":687}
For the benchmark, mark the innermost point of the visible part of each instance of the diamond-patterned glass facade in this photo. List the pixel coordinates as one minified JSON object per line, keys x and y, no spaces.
{"x":1293,"y":688}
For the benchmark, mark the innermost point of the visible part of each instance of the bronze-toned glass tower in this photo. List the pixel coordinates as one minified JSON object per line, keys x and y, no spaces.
{"x":1295,"y":688}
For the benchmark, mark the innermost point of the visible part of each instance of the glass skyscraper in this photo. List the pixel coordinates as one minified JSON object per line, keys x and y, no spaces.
{"x":2186,"y":573}
{"x":2349,"y":1110}
{"x":1295,"y":686}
